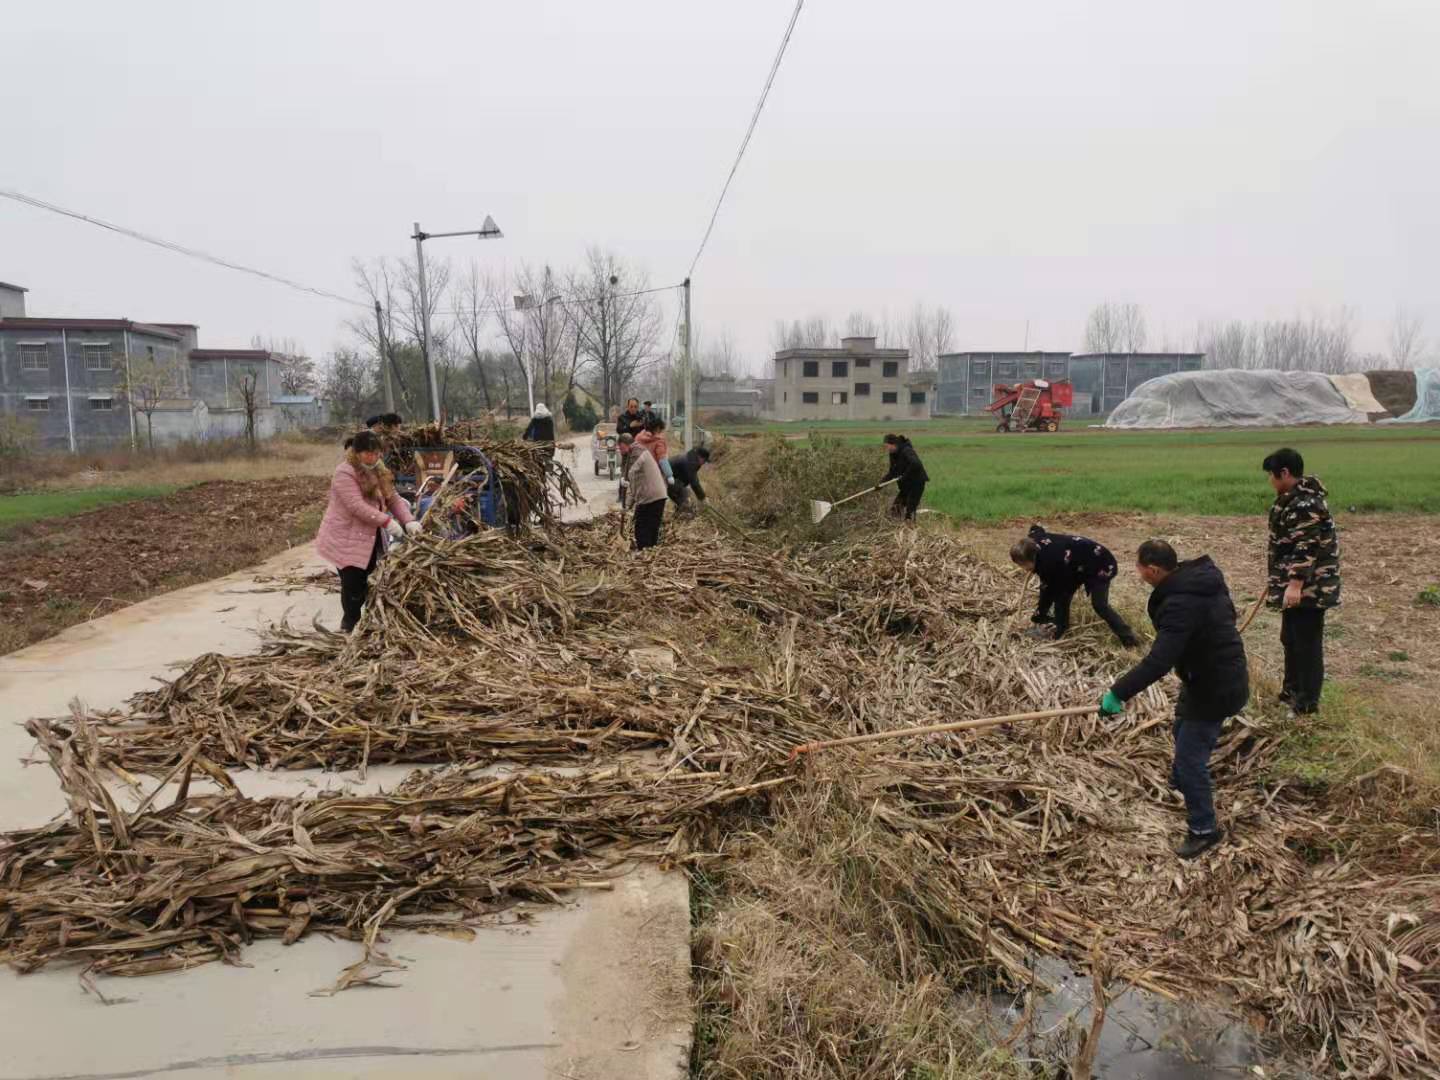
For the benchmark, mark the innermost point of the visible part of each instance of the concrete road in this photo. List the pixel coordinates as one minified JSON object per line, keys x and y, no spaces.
{"x":596,"y":990}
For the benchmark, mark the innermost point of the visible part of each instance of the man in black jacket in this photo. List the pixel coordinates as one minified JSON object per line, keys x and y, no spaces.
{"x":905,"y":465}
{"x":685,"y":475}
{"x":1065,"y":564}
{"x":1195,"y":636}
{"x":632,"y":420}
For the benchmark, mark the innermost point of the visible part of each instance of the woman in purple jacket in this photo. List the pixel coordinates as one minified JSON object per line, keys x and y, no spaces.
{"x":363,"y":515}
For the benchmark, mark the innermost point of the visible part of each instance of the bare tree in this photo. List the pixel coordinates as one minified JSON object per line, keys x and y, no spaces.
{"x":1228,"y":345}
{"x":861,"y":324}
{"x":377,"y":281}
{"x":297,"y":371}
{"x":146,"y":383}
{"x":1115,"y":328}
{"x":533,"y":326}
{"x":247,"y":385}
{"x":617,"y":323}
{"x":814,"y":333}
{"x":1407,"y":338}
{"x":346,"y":381}
{"x":471,"y":313}
{"x":929,"y":333}
{"x":1314,"y":343}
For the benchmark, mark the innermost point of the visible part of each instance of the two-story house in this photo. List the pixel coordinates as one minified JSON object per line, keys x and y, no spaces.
{"x":857,"y":381}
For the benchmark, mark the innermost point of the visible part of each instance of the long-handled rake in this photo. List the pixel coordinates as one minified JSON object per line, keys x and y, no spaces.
{"x":820,"y":510}
{"x":931,"y":729}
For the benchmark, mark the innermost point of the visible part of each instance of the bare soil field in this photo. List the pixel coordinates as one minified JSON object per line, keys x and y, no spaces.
{"x":63,"y":571}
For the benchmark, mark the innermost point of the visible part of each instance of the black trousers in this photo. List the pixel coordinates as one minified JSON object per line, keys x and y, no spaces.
{"x":355,"y":587}
{"x":1197,"y":730}
{"x":647,"y":524}
{"x":1099,"y":593}
{"x":907,"y":501}
{"x":1302,"y":633}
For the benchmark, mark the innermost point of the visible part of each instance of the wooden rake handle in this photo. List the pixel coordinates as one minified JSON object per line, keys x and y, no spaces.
{"x":1255,"y":610}
{"x":931,"y":729}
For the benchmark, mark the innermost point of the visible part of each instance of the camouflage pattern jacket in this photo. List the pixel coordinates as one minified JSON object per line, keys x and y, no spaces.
{"x":1303,"y":545}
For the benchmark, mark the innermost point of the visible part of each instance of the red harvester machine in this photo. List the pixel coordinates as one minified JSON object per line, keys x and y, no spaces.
{"x":1034,"y":405}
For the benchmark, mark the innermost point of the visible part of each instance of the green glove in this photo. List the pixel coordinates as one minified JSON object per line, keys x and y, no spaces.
{"x":1110,"y":705}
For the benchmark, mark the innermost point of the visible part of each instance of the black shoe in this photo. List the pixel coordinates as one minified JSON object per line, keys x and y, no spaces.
{"x":1131,"y":642}
{"x":1199,"y":843}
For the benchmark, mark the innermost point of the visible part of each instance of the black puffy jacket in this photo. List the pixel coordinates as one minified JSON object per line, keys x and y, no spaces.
{"x":541,"y":429}
{"x":1195,"y":636}
{"x":1067,"y":562}
{"x":685,"y":468}
{"x":905,"y":464}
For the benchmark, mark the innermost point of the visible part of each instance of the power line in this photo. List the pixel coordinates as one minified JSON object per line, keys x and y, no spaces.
{"x":178,"y":248}
{"x":579,"y":301}
{"x":754,"y":119}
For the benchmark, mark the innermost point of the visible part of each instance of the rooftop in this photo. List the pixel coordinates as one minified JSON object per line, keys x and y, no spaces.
{"x":13,"y":288}
{"x":151,"y":329}
{"x":232,"y":354}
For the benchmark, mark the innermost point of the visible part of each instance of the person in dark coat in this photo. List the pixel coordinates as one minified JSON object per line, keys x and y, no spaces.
{"x":905,"y":465}
{"x":685,"y":475}
{"x":1196,"y":637}
{"x":1066,"y":564}
{"x":541,"y":428}
{"x":632,"y":420}
{"x":1304,"y":575}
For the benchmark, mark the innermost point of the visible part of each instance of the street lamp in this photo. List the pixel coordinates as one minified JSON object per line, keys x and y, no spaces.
{"x":529,"y":303}
{"x":488,"y":231}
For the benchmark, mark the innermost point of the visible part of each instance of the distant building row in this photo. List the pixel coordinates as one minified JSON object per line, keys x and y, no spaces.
{"x":861,"y":382}
{"x":1101,"y":380}
{"x":67,"y":379}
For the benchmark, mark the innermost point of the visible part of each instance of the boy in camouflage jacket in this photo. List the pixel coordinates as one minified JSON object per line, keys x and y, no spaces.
{"x":1304,"y":575}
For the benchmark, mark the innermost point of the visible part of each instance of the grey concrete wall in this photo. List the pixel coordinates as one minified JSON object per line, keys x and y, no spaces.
{"x":12,"y":304}
{"x":216,"y":381}
{"x":230,"y":423}
{"x":792,"y":384}
{"x":89,"y":384}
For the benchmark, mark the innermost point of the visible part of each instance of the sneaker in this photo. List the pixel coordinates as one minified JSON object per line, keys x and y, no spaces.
{"x":1198,"y":843}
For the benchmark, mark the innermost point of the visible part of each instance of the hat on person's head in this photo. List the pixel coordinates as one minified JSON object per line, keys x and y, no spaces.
{"x":626,"y":438}
{"x":541,"y":412}
{"x":371,"y":421}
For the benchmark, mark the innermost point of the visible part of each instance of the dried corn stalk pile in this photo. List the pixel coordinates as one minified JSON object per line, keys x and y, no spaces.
{"x":534,"y":483}
{"x":990,"y":846}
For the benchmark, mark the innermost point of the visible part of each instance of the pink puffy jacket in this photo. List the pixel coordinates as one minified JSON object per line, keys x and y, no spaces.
{"x":347,"y":533}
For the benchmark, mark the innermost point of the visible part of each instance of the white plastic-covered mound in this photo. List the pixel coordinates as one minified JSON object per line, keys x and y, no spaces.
{"x":1190,"y":399}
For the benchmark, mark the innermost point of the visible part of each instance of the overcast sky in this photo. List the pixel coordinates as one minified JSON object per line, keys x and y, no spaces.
{"x":1013,"y":162}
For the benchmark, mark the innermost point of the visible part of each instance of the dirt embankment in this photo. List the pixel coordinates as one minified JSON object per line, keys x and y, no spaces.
{"x":64,"y":571}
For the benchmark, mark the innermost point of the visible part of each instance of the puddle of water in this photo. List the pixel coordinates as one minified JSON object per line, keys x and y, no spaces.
{"x":1145,"y":1037}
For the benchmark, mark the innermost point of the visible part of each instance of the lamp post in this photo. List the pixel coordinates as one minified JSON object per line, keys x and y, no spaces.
{"x":488,"y":231}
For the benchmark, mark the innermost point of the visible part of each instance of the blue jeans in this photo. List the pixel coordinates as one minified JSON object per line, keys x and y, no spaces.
{"x":1197,"y":730}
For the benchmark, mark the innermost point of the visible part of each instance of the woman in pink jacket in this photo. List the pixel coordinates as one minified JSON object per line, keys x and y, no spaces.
{"x":363,"y":515}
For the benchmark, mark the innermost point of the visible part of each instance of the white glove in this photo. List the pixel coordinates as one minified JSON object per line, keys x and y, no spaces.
{"x":393,"y":528}
{"x":412,"y":528}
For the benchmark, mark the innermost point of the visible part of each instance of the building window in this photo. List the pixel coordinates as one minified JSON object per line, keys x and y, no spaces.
{"x":785,"y":396}
{"x":839,"y":397}
{"x":97,"y":357}
{"x":785,"y":369}
{"x":810,"y":397}
{"x":889,"y":397}
{"x":917,"y":397}
{"x":891,"y":369}
{"x":812,"y":369}
{"x":37,"y":404}
{"x":839,"y":369}
{"x":862,"y":389}
{"x":1032,"y":367}
{"x":102,"y":404}
{"x":34,"y":358}
{"x":862,"y":363}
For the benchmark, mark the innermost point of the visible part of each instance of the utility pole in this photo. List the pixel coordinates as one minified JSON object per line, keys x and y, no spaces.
{"x":384,"y":359}
{"x":689,"y":376}
{"x":425,"y":324}
{"x":489,"y":231}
